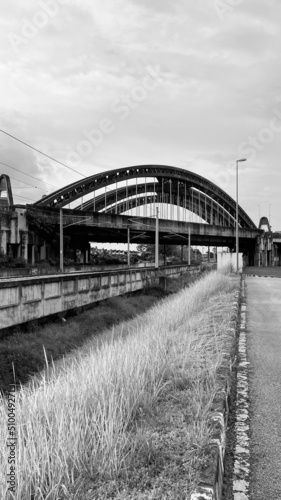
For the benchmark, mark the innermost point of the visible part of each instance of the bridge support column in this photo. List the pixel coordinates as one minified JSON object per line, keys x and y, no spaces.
{"x":258,"y":254}
{"x":33,"y":254}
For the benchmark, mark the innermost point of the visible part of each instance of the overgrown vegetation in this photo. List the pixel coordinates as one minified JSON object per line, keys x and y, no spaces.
{"x":24,"y":353}
{"x":104,"y":257}
{"x":8,"y":261}
{"x":46,"y":227}
{"x":173,"y":254}
{"x":126,"y":416}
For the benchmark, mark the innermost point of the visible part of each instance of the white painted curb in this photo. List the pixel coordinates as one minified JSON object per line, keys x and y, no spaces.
{"x":242,"y":452}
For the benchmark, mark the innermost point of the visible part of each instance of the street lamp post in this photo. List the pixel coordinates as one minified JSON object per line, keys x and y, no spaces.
{"x":237,"y":236}
{"x":157,"y":239}
{"x":61,"y":240}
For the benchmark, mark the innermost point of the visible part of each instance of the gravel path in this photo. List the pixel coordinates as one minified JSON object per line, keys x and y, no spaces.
{"x":263,"y":297}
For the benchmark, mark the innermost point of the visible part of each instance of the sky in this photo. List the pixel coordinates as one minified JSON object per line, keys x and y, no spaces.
{"x":104,"y":85}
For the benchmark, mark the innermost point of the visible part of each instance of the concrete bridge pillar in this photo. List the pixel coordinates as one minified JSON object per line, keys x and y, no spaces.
{"x":3,"y":240}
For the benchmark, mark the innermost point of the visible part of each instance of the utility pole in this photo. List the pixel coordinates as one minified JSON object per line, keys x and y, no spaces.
{"x":61,"y":240}
{"x":189,"y":245}
{"x":128,"y":252}
{"x":236,"y":228}
{"x":157,"y":239}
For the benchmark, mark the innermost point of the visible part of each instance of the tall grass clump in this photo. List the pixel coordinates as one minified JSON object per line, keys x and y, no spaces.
{"x":79,"y":418}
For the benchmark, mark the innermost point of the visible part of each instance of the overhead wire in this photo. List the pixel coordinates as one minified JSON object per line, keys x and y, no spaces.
{"x":24,"y":197}
{"x":28,"y":175}
{"x":32,"y":185}
{"x":41,"y":152}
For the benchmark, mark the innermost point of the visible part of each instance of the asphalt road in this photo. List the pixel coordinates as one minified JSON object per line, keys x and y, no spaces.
{"x":263,"y":298}
{"x":263,"y":271}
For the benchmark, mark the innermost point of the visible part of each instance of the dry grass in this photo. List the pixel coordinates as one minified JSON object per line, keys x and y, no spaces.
{"x":22,"y":355}
{"x":126,"y":418}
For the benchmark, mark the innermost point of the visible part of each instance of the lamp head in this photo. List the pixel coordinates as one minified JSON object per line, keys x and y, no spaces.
{"x":242,"y":159}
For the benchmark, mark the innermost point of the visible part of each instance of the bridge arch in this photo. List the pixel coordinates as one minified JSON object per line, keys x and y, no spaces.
{"x":157,"y":184}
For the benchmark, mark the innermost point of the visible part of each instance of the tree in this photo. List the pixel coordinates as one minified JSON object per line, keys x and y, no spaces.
{"x":46,"y":227}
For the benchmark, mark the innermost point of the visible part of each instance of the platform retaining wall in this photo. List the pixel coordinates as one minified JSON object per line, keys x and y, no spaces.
{"x":27,"y":299}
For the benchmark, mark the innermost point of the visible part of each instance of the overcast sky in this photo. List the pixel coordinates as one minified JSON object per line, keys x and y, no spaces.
{"x":101,"y":85}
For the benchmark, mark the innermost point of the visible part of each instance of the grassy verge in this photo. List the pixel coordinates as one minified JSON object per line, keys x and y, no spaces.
{"x":25,"y":353}
{"x":25,"y":350}
{"x":125,"y":417}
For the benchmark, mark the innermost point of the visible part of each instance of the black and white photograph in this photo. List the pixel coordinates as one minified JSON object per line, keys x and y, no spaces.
{"x":140,"y":250}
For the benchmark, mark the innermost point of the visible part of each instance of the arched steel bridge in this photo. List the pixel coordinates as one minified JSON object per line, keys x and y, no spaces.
{"x":158,"y":184}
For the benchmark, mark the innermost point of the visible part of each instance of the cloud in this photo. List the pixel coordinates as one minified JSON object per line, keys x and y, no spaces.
{"x":220,"y":82}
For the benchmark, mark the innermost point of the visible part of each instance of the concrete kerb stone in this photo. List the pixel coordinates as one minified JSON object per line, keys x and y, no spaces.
{"x":211,"y":480}
{"x":262,"y":276}
{"x":242,"y":453}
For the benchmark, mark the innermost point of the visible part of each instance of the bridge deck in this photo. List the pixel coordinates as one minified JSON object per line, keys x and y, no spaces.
{"x":101,"y":227}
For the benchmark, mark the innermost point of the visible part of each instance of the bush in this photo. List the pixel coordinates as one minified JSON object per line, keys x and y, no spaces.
{"x":10,"y":261}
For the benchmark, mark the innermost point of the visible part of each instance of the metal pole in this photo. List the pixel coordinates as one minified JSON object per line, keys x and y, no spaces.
{"x":178,"y":203}
{"x":157,"y":239}
{"x":185,"y":202}
{"x":154,"y":197}
{"x":237,"y":239}
{"x":189,"y":245}
{"x":171,"y":216}
{"x":128,"y":253}
{"x":145,"y":200}
{"x":61,"y":240}
{"x":136,"y":198}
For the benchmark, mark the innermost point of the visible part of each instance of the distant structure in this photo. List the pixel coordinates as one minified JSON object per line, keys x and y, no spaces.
{"x":13,"y":228}
{"x":264,"y":224}
{"x":269,"y":245}
{"x":6,"y":196}
{"x":131,"y":188}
